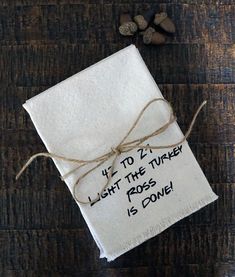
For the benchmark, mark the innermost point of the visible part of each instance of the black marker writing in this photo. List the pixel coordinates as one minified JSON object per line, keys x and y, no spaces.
{"x":156,"y":196}
{"x":160,"y":159}
{"x":132,"y":211}
{"x":105,"y":172}
{"x":144,"y":152}
{"x":127,"y":161}
{"x":140,"y":188}
{"x":133,"y":176}
{"x":107,"y":192}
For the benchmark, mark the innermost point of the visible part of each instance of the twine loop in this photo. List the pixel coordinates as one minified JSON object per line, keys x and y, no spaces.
{"x":115,"y":152}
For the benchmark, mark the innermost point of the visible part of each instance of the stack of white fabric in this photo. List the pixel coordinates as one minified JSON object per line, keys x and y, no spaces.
{"x":90,"y":112}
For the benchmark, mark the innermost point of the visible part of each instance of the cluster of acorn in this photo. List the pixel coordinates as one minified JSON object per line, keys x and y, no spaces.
{"x":129,"y":26}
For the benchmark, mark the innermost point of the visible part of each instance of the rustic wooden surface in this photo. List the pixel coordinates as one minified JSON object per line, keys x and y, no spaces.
{"x":42,"y":232}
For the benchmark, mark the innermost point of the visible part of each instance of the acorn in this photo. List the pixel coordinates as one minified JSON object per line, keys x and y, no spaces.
{"x":164,"y":22}
{"x":150,"y":36}
{"x":127,"y":26}
{"x":143,"y":21}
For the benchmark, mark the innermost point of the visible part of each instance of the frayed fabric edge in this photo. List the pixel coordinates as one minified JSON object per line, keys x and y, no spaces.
{"x":160,"y":227}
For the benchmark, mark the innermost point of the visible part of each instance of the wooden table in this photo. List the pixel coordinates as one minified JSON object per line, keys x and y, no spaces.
{"x":42,"y":232}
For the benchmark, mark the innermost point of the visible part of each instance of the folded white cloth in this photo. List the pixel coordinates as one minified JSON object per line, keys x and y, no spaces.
{"x":90,"y":112}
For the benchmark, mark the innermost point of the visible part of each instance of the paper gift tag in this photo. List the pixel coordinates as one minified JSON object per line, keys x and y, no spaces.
{"x":90,"y":112}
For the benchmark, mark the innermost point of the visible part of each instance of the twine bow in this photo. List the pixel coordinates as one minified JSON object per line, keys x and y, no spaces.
{"x":122,"y":147}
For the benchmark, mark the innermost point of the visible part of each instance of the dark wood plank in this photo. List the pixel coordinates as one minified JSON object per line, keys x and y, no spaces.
{"x":66,"y":249}
{"x":97,"y":23}
{"x":119,"y":2}
{"x":218,"y":269}
{"x":178,"y":63}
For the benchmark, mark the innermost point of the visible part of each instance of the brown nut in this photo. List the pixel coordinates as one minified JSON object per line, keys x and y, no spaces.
{"x":150,"y":36}
{"x":147,"y":35}
{"x":159,"y":17}
{"x":143,"y":21}
{"x":158,"y":39}
{"x":127,"y":26}
{"x":164,"y":22}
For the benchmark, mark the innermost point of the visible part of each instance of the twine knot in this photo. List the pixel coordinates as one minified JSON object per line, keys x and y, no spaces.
{"x":122,"y":147}
{"x":117,"y":150}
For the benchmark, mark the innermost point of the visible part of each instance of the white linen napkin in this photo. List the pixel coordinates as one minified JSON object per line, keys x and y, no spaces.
{"x":90,"y":112}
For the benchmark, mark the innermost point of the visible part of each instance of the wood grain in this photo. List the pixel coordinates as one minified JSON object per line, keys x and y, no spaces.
{"x":96,"y":23}
{"x":42,"y":42}
{"x":173,"y":63}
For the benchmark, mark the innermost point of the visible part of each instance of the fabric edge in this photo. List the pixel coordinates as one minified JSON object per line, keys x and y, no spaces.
{"x":160,"y":227}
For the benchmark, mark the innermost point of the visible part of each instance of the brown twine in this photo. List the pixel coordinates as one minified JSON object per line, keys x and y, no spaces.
{"x":122,"y":147}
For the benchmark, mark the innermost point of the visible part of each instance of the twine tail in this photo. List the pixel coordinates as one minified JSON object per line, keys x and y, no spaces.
{"x":194,"y":119}
{"x":30,"y":160}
